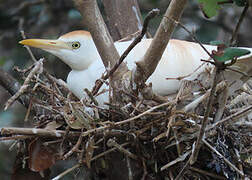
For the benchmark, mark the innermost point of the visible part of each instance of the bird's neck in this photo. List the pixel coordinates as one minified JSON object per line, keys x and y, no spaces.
{"x":91,"y":54}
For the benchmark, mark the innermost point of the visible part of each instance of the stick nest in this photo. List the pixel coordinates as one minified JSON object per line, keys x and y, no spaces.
{"x":143,"y":139}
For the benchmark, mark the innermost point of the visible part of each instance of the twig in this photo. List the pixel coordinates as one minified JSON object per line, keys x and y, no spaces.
{"x":195,"y":153}
{"x":179,"y":159}
{"x":237,"y":71}
{"x":215,"y":176}
{"x":61,"y":149}
{"x":66,"y":172}
{"x":127,"y":120}
{"x":99,"y":83}
{"x":144,"y":113}
{"x":60,"y":82}
{"x":75,"y":148}
{"x":13,"y":86}
{"x":60,"y":133}
{"x":234,"y":34}
{"x":182,"y":172}
{"x":28,"y":48}
{"x":150,"y":15}
{"x":28,"y":111}
{"x":160,"y":136}
{"x":36,"y":132}
{"x":51,"y":91}
{"x":130,"y":36}
{"x":52,"y":142}
{"x":38,"y":68}
{"x":192,"y":35}
{"x":197,"y":101}
{"x":91,"y":96}
{"x":113,"y":143}
{"x":146,"y":127}
{"x":107,"y":152}
{"x":50,"y":77}
{"x":237,"y":115}
{"x":19,"y":137}
{"x":222,"y":157}
{"x":222,"y":101}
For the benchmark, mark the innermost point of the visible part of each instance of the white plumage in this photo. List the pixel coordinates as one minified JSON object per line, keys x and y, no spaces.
{"x":180,"y":58}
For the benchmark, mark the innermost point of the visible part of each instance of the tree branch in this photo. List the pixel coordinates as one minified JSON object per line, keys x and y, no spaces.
{"x":13,"y":86}
{"x":37,"y":132}
{"x":124,"y":17}
{"x":148,"y":64}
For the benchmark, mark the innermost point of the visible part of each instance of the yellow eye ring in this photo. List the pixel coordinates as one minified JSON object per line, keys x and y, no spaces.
{"x":75,"y":45}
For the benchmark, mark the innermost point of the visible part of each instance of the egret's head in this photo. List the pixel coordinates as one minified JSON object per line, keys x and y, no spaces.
{"x":75,"y":48}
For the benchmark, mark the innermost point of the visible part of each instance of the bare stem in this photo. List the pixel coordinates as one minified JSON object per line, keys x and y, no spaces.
{"x":195,"y":153}
{"x":113,"y":143}
{"x":66,"y":172}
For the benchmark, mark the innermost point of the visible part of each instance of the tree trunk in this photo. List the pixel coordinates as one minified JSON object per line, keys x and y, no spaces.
{"x":124,"y":17}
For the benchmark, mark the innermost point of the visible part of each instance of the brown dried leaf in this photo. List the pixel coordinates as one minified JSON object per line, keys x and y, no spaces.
{"x":53,"y":125}
{"x":40,"y":157}
{"x":184,"y":126}
{"x":21,"y":172}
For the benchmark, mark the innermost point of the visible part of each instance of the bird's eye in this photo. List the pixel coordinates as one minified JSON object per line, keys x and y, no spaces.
{"x":75,"y":45}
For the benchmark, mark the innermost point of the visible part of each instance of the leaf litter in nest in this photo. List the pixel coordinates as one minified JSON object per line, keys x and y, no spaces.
{"x":76,"y":116}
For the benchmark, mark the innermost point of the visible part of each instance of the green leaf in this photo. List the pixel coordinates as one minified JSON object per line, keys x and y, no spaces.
{"x":231,"y":53}
{"x":210,"y":7}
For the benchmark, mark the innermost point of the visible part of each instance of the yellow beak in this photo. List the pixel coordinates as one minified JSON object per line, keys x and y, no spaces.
{"x":46,"y":44}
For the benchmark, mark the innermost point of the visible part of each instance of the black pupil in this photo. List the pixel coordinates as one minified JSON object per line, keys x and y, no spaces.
{"x":76,"y":45}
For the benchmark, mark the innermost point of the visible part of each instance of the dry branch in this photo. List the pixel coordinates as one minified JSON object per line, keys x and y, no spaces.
{"x":12,"y":86}
{"x":148,"y":64}
{"x":232,"y":117}
{"x":66,"y":172}
{"x":38,"y":69}
{"x":113,"y":143}
{"x":198,"y":144}
{"x":36,"y":132}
